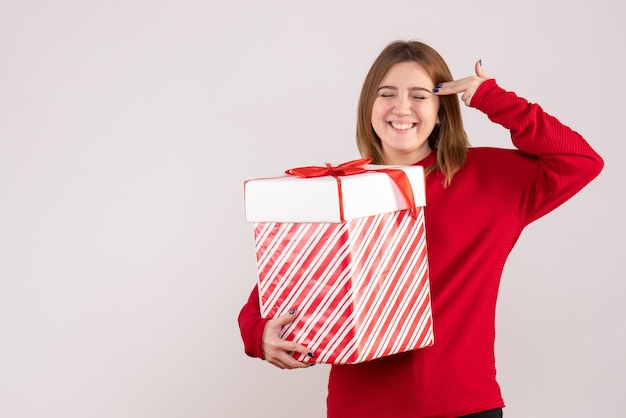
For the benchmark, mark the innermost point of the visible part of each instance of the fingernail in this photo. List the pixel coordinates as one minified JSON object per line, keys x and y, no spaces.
{"x":439,"y":85}
{"x":480,"y":62}
{"x":291,"y":312}
{"x":312,"y":364}
{"x":310,"y":354}
{"x":435,"y":90}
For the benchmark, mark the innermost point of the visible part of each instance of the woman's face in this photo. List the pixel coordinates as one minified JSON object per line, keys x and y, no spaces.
{"x":405,"y":113}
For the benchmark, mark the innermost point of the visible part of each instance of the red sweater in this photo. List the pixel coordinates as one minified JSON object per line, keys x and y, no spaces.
{"x":471,"y":228}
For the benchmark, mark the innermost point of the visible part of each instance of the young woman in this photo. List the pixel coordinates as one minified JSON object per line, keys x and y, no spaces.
{"x":479,"y":201}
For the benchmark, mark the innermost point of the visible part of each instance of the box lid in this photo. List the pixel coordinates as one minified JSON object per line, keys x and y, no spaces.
{"x":296,"y":199}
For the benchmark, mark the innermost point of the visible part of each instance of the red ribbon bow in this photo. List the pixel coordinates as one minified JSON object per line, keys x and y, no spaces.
{"x":350,"y":168}
{"x":344,"y":169}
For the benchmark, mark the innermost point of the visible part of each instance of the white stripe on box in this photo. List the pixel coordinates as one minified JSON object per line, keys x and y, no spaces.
{"x":374,"y":301}
{"x":394,"y":294}
{"x":412,"y":310}
{"x":271,"y":276}
{"x":390,"y":308}
{"x":300,"y":277}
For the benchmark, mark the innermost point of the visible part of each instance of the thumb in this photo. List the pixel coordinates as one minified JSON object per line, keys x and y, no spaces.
{"x":480,"y":72}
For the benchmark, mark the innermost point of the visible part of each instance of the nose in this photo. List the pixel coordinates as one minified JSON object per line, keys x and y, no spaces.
{"x":402,"y":106}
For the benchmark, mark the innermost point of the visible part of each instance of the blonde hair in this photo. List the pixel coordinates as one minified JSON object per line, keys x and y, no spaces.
{"x":449,"y":138}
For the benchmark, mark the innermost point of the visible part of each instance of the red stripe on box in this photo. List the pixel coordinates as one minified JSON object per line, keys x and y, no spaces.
{"x":376,"y":314}
{"x":405,"y":290}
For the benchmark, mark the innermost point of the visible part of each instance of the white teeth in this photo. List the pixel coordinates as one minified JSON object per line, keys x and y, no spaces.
{"x":401,"y":125}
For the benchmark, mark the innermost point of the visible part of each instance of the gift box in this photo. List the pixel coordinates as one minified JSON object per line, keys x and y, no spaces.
{"x":346,"y":247}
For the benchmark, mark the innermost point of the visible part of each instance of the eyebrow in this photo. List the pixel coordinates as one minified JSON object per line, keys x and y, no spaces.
{"x":411,"y":89}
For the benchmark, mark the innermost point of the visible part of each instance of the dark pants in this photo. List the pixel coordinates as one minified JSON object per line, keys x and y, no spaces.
{"x":492,"y":413}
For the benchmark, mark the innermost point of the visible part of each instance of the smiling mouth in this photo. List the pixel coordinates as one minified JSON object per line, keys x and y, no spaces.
{"x":401,"y":126}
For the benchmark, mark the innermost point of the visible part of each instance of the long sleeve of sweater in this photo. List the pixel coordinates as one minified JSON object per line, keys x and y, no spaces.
{"x":564,"y":162}
{"x":251,"y":325}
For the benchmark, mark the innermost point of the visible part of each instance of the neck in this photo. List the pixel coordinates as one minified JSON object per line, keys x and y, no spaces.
{"x":408,"y":158}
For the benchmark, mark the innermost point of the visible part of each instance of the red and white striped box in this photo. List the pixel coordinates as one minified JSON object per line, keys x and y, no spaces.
{"x":360,"y":283}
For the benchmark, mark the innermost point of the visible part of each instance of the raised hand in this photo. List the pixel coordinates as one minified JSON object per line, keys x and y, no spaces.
{"x":467,"y":85}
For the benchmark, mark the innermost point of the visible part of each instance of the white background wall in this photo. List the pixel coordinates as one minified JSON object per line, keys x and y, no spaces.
{"x":128,"y":127}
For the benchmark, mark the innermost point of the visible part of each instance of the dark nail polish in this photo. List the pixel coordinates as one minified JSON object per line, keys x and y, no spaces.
{"x":312,"y":364}
{"x":291,"y":312}
{"x":480,"y":62}
{"x":310,"y":354}
{"x":435,"y":90}
{"x":439,"y":85}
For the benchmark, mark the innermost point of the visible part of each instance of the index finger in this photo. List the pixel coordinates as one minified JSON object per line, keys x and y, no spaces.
{"x":455,"y":86}
{"x":294,"y":347}
{"x":286,"y":361}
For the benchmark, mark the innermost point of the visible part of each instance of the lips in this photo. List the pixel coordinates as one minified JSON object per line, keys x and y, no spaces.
{"x":402,"y":125}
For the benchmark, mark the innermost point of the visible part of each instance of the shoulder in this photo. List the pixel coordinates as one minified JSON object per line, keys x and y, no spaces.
{"x":486,"y":162}
{"x":491,"y":153}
